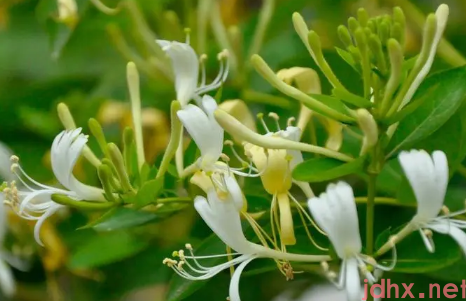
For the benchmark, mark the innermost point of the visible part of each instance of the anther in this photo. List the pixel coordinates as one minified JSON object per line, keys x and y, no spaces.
{"x":228,"y":142}
{"x":260,"y":116}
{"x":203,"y":58}
{"x":14,"y":167}
{"x":331,"y":275}
{"x":180,"y":265}
{"x":187,"y":31}
{"x":181,"y":255}
{"x":290,"y":121}
{"x":188,"y":247}
{"x":223,"y":55}
{"x":325,"y":266}
{"x":445,"y":210}
{"x":175,"y":254}
{"x":14,"y":159}
{"x":275,"y":116}
{"x":428,"y":233}
{"x":224,"y":157}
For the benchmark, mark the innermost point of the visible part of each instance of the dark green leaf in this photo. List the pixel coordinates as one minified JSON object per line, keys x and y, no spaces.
{"x":149,"y":192}
{"x":122,"y":218}
{"x":413,"y":256}
{"x":104,"y":249}
{"x":444,"y":92}
{"x":325,"y":169}
{"x":348,"y":58}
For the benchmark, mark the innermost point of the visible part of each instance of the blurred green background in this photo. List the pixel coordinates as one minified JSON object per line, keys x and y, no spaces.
{"x":43,"y":63}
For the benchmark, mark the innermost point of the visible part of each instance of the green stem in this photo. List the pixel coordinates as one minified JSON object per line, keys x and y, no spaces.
{"x":370,"y":214}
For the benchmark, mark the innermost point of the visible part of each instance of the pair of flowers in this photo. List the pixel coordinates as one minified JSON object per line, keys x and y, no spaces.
{"x":335,"y":212}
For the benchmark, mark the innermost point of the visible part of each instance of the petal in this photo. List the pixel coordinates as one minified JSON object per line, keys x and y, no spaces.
{"x":205,"y":132}
{"x":446,"y":228}
{"x":185,"y":66}
{"x":353,"y":282}
{"x":5,"y":163}
{"x":234,"y":282}
{"x":7,"y":282}
{"x":3,"y":221}
{"x":236,"y":194}
{"x":335,"y":212}
{"x":54,"y":208}
{"x":224,"y":219}
{"x":422,"y":175}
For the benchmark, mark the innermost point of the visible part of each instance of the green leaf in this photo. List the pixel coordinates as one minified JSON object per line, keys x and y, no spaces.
{"x":450,"y":138}
{"x":325,"y":169}
{"x":444,"y":92}
{"x":122,"y":218}
{"x":104,"y":249}
{"x":348,"y":58}
{"x":351,"y":98}
{"x":332,"y":102}
{"x":413,"y":256}
{"x":149,"y":192}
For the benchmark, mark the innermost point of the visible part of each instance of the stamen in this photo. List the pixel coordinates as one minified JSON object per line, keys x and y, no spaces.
{"x":290,"y":121}
{"x":187,"y":31}
{"x":202,"y":60}
{"x":260,"y":116}
{"x":445,"y":210}
{"x":275,"y":117}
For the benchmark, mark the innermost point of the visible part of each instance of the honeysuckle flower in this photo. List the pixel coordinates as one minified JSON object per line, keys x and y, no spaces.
{"x":275,"y":167}
{"x":221,"y":212}
{"x":32,"y":200}
{"x":205,"y":131}
{"x":335,"y":212}
{"x":428,"y":176}
{"x":185,"y":63}
{"x":7,"y":282}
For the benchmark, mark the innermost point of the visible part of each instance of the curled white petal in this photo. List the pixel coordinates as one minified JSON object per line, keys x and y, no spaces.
{"x":185,"y":66}
{"x":234,"y":283}
{"x":428,"y":177}
{"x":335,"y":212}
{"x":7,"y":281}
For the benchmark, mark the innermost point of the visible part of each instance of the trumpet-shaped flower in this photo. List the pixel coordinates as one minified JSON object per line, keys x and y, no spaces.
{"x":275,"y":167}
{"x":185,"y":63}
{"x":428,"y":176}
{"x":205,"y":131}
{"x":32,"y":200}
{"x":335,"y":212}
{"x":221,"y":212}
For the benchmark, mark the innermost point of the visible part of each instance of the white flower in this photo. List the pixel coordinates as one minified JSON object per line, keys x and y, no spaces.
{"x":32,"y":200}
{"x":185,"y":63}
{"x":335,"y":212}
{"x":7,"y":282}
{"x":428,"y":176}
{"x":204,"y":129}
{"x":221,"y":212}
